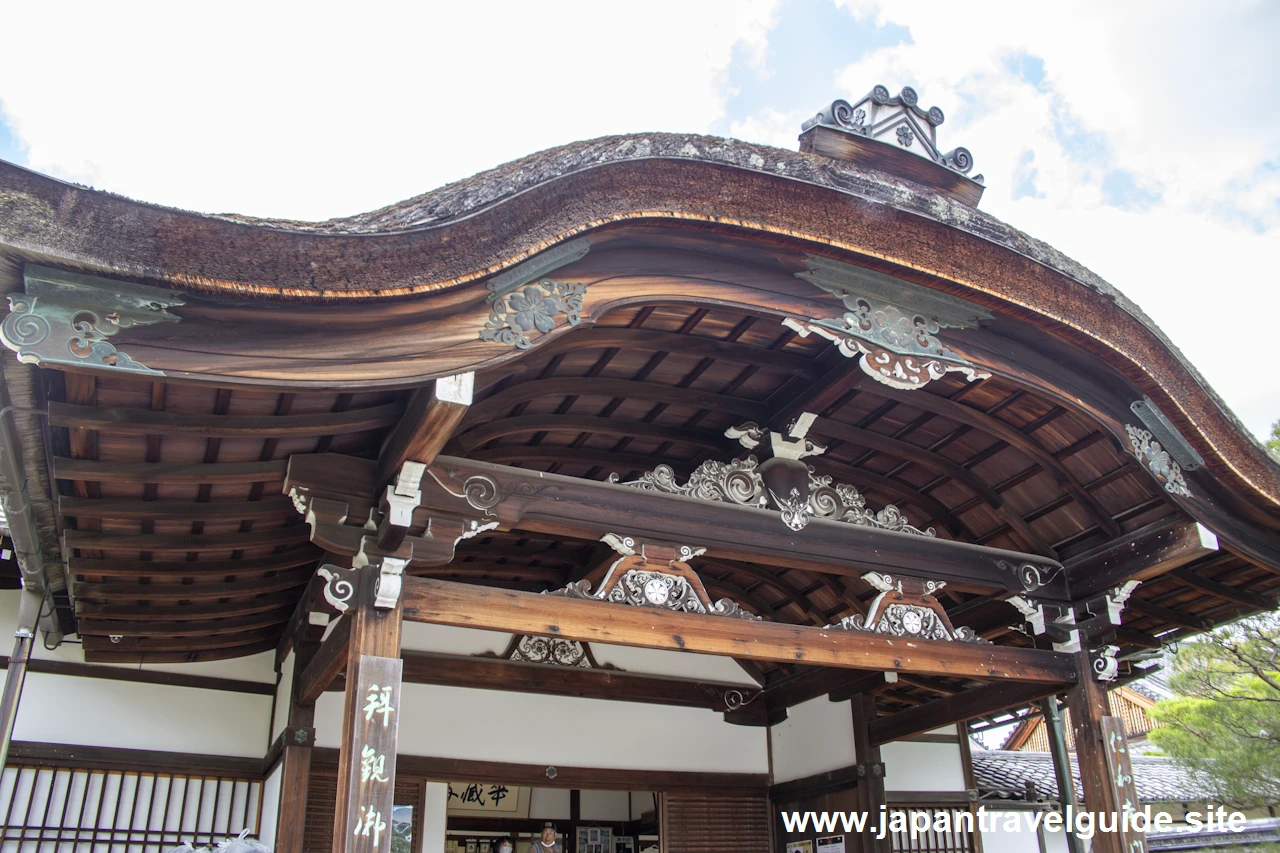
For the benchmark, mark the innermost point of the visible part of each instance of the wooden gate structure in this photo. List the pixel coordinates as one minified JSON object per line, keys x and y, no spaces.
{"x":813,"y":411}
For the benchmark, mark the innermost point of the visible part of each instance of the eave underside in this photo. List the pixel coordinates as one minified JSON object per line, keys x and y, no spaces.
{"x":181,"y":545}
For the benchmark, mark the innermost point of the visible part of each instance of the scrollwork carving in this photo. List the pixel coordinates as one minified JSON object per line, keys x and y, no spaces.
{"x":555,"y":651}
{"x":536,"y":306}
{"x":64,"y":318}
{"x":339,"y":587}
{"x":739,"y":482}
{"x":906,"y":607}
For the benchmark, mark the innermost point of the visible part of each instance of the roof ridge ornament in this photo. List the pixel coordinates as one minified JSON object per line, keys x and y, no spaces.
{"x":65,"y":318}
{"x":900,"y":124}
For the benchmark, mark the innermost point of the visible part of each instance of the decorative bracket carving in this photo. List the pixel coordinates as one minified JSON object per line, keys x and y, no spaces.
{"x":535,"y":307}
{"x":890,"y":325}
{"x":1158,"y":461}
{"x":339,"y":586}
{"x":906,"y":607}
{"x":797,"y":491}
{"x":552,"y":651}
{"x":1105,"y":665}
{"x":66,"y":318}
{"x":1070,"y":626}
{"x":656,"y":575}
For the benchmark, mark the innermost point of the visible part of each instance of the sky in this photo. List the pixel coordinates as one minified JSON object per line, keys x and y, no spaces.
{"x":1140,"y":138}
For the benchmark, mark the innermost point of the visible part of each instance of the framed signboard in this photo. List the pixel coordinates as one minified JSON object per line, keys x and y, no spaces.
{"x":595,"y":839}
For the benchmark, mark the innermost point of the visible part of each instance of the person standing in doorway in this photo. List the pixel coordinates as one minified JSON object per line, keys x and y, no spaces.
{"x":548,"y":843}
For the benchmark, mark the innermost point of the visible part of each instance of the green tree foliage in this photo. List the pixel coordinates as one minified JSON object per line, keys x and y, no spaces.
{"x":1274,"y":442}
{"x":1224,"y":721}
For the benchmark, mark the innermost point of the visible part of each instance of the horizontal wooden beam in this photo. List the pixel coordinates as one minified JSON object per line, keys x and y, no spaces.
{"x":987,"y":699}
{"x":1243,"y":597}
{"x":191,"y":591}
{"x":463,"y":605}
{"x":801,"y":687}
{"x":75,"y":669}
{"x":126,"y":627}
{"x":168,"y":473}
{"x":577,"y":778}
{"x":485,"y":673}
{"x":116,"y":568}
{"x":1141,"y":555}
{"x":181,"y":543}
{"x":268,"y":507}
{"x":148,"y":422}
{"x":587,"y":509}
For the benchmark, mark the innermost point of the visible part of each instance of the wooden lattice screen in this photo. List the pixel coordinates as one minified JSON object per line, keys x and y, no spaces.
{"x":104,"y":811}
{"x":958,"y":840}
{"x":715,"y":824}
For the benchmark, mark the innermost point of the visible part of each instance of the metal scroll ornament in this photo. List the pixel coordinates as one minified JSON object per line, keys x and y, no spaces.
{"x":64,"y":318}
{"x":1158,"y":461}
{"x":555,"y":651}
{"x":656,"y":590}
{"x":739,"y":482}
{"x":906,"y":607}
{"x":535,"y":306}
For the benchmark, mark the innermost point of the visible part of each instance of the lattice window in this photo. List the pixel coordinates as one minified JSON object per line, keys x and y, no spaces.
{"x":958,"y":840}
{"x":64,"y":809}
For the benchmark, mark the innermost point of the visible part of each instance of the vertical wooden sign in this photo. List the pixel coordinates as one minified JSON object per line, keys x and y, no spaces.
{"x":1115,"y":746}
{"x":371,"y":779}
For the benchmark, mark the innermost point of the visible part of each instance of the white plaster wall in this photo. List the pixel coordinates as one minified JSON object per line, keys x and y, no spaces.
{"x":604,"y":805}
{"x":270,"y":808}
{"x":673,"y":664}
{"x":448,"y":640}
{"x":456,"y":722}
{"x":913,"y":766}
{"x":817,"y":736}
{"x":549,"y":804}
{"x":435,"y":818}
{"x":1025,"y":841}
{"x":102,"y":712}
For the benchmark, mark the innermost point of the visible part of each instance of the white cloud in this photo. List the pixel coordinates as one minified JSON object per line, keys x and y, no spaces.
{"x":311,"y":110}
{"x":1166,"y":92}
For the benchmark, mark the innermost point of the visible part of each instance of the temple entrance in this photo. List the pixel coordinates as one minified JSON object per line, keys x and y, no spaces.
{"x":474,"y":812}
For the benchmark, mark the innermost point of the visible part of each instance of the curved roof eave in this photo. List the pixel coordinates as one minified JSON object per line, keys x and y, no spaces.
{"x":400,"y":249}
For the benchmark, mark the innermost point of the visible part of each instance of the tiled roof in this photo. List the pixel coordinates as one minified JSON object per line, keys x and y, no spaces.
{"x":1002,"y":774}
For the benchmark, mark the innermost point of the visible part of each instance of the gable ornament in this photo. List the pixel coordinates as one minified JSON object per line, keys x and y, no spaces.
{"x":907,"y":607}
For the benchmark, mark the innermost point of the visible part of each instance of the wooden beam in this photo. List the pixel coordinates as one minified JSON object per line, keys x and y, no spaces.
{"x":268,"y":507}
{"x":190,"y":591}
{"x":113,"y":568}
{"x":433,"y":413}
{"x":466,"y":606}
{"x":295,"y":773}
{"x":484,"y":673}
{"x":148,"y":422}
{"x":182,"y":543}
{"x":325,"y":664}
{"x":812,"y":683}
{"x":168,"y":473}
{"x":587,"y":509}
{"x":869,"y":794}
{"x":959,"y":708}
{"x":497,"y":405}
{"x":1252,"y":600}
{"x":616,"y":427}
{"x":1141,"y":555}
{"x":1176,"y":617}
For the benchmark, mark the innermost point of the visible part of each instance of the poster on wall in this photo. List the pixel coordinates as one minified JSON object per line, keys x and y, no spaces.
{"x":831,"y":844}
{"x":595,"y":839}
{"x":624,"y":844}
{"x":799,"y":847}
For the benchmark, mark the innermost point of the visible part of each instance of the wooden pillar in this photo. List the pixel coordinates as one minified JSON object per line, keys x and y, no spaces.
{"x":869,"y":793}
{"x":1103,"y":754}
{"x":295,"y":763}
{"x":370,"y":719}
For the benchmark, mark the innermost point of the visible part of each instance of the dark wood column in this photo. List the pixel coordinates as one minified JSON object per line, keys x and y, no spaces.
{"x":299,"y":737}
{"x":869,"y":793}
{"x":370,"y":719}
{"x":1103,"y":753}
